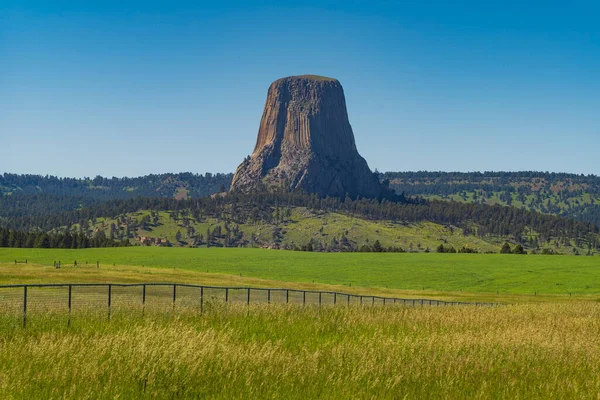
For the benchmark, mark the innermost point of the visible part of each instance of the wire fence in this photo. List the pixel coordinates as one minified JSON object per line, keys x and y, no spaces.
{"x":27,"y":299}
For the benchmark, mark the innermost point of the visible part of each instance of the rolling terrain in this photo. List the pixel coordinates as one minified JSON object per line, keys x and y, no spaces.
{"x":324,"y":231}
{"x":568,"y":195}
{"x":105,"y":188}
{"x":296,"y":220}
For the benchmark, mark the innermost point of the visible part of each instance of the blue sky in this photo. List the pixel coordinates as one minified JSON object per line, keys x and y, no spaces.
{"x":131,"y":88}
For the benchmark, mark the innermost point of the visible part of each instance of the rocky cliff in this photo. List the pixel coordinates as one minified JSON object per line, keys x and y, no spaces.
{"x":305,"y":141}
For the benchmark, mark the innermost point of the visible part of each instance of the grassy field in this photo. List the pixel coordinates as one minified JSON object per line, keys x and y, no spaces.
{"x":513,"y":352}
{"x":535,"y":346}
{"x":485,"y":274}
{"x":36,"y":274}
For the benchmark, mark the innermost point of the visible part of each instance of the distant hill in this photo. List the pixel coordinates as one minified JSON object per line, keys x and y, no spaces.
{"x":297,"y":228}
{"x":484,"y":209}
{"x":290,"y":220}
{"x":181,"y":185}
{"x":568,"y":195}
{"x":37,"y":195}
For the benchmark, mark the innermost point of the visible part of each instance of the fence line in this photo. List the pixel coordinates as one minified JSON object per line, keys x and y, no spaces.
{"x":230,"y":294}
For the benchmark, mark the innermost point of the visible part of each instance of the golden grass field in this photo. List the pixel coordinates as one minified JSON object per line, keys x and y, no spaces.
{"x":519,"y":351}
{"x":531,"y":346}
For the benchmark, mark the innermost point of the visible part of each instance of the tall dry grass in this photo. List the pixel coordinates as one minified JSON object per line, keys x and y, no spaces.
{"x":278,"y":351}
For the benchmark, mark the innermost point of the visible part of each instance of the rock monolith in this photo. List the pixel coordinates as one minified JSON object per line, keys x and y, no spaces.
{"x":305,"y":141}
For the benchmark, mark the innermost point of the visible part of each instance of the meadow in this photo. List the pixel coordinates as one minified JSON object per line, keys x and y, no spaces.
{"x":485,"y":274}
{"x":518,"y":352}
{"x":543,"y":345}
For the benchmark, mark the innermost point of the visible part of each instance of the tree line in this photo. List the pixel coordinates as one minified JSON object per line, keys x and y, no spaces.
{"x":47,"y":240}
{"x":104,"y":188}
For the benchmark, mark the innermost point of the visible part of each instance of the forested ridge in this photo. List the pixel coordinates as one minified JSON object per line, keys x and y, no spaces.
{"x":474,"y":219}
{"x":568,"y":195}
{"x":103,"y":188}
{"x":34,"y":203}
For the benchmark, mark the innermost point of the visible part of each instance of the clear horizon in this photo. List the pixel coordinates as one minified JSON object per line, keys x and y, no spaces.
{"x":115,"y":89}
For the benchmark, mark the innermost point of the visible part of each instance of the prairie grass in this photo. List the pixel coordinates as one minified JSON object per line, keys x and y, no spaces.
{"x":232,"y":351}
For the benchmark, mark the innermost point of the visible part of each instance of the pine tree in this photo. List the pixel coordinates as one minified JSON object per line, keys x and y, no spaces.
{"x":505,"y":249}
{"x":519,"y":250}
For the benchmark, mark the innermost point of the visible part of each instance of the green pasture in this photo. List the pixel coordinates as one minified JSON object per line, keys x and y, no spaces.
{"x":475,"y":273}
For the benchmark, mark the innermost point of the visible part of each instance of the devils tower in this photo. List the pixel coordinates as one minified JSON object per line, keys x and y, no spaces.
{"x":305,"y":141}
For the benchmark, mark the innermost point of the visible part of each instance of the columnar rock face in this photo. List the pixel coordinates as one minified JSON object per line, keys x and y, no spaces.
{"x":305,"y":141}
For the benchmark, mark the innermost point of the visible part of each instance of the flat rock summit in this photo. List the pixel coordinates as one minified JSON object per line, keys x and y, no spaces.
{"x":305,"y":141}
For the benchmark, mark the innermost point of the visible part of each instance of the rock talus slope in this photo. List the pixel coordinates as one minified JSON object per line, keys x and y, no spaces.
{"x":305,"y":141}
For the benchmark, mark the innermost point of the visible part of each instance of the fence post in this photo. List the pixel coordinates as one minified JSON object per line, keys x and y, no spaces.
{"x":25,"y":306}
{"x":268,"y":296}
{"x":174,"y":294}
{"x":373,"y":301}
{"x":109,"y":299}
{"x":226,"y":295}
{"x":334,"y":298}
{"x":248,"y":297}
{"x":143,"y":299}
{"x":319,"y":299}
{"x":360,"y":299}
{"x":304,"y":297}
{"x":201,"y":299}
{"x":70,"y":292}
{"x":287,"y":296}
{"x":348,"y":299}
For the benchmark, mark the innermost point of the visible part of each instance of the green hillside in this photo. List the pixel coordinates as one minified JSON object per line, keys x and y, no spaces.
{"x":294,"y":220}
{"x":568,"y":195}
{"x":324,"y":231}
